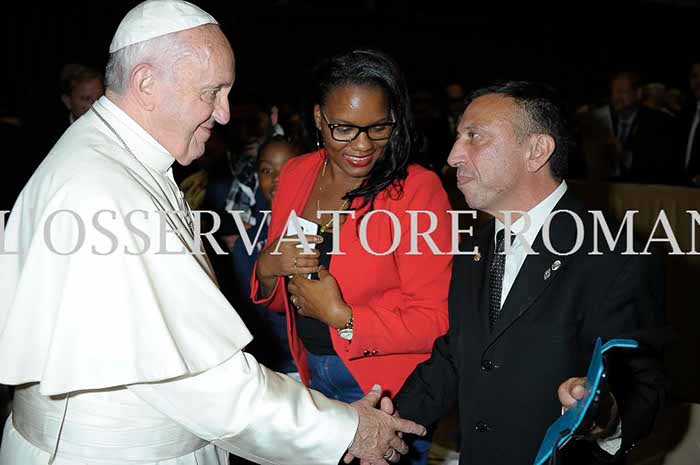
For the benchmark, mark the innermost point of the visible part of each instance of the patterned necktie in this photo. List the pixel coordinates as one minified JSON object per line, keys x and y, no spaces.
{"x":496,"y":279}
{"x":623,"y":128}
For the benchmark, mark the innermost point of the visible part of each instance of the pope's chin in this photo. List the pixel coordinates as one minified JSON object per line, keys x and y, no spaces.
{"x":193,"y":153}
{"x":196,"y":148}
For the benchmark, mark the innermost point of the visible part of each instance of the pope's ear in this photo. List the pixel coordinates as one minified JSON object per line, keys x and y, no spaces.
{"x":143,"y":83}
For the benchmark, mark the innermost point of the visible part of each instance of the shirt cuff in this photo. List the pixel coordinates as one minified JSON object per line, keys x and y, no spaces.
{"x":613,"y":443}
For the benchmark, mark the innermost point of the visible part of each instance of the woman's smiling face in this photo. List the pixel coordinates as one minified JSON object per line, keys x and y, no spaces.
{"x":358,"y":106}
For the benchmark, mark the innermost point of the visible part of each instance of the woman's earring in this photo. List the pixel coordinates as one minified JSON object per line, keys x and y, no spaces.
{"x":318,"y":139}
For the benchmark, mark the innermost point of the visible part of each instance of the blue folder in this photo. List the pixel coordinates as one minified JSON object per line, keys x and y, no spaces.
{"x":563,"y":429}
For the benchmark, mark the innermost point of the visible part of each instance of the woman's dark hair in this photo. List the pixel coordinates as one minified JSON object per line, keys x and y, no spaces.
{"x":543,"y":112}
{"x":374,"y":69}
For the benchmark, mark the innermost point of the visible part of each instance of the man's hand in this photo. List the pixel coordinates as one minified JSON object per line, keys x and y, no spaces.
{"x":571,"y":391}
{"x":605,"y":417}
{"x":377,"y":438}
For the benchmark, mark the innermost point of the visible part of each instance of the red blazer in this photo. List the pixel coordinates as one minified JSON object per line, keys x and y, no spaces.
{"x":399,"y":301}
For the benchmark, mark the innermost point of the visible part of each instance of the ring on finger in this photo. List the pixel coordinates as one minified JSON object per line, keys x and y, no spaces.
{"x":389,"y":454}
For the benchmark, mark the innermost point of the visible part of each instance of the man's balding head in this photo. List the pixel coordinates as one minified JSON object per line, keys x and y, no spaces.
{"x":512,"y":146}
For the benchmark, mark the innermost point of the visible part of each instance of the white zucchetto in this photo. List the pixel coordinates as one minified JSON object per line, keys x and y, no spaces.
{"x":155,"y":18}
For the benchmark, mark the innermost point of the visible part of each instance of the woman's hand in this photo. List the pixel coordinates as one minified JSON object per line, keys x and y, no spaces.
{"x":290,"y":260}
{"x":320,"y":299}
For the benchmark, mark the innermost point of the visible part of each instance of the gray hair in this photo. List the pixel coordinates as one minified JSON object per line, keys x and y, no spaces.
{"x":162,"y":52}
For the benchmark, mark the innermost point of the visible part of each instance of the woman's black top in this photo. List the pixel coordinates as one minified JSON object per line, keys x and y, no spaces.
{"x":312,"y":332}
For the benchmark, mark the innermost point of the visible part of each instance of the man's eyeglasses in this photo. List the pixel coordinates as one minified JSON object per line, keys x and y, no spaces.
{"x":350,"y":132}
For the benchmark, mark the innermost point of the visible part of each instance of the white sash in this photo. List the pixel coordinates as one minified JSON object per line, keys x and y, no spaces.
{"x":110,"y":426}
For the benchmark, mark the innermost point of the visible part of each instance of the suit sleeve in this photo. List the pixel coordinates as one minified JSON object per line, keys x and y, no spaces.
{"x":632,"y":308}
{"x":431,"y":391}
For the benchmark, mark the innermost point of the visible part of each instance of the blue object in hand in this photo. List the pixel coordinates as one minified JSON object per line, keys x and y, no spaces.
{"x":559,"y":433}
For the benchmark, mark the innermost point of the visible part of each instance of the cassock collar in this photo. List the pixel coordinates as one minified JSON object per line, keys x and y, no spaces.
{"x":142,"y":144}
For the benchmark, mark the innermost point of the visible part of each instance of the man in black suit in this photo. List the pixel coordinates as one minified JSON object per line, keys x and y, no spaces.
{"x":521,"y":324}
{"x":688,"y":138}
{"x":644,"y":135}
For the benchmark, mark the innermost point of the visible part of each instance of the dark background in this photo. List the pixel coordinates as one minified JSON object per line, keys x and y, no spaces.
{"x":573,"y":45}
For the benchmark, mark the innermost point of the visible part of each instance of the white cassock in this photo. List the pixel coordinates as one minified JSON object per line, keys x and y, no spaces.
{"x":128,"y":357}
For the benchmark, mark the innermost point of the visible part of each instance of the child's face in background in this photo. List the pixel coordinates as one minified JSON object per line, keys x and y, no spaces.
{"x":270,"y":163}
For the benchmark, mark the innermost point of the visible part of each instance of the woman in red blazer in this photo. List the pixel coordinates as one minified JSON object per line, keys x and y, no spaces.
{"x":368,"y":318}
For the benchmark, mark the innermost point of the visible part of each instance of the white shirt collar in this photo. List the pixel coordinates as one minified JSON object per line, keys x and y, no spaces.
{"x":142,"y":144}
{"x":537,"y":215}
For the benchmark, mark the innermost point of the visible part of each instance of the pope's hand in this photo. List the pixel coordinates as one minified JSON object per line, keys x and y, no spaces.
{"x":377,"y":438}
{"x":387,"y":406}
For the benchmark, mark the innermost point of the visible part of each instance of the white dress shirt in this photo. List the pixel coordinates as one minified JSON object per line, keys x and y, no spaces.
{"x":527,"y":228}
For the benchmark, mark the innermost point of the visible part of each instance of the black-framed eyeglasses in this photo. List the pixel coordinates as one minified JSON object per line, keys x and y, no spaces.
{"x":350,"y":132}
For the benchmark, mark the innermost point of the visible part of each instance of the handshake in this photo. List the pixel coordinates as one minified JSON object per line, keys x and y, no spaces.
{"x":378,"y":439}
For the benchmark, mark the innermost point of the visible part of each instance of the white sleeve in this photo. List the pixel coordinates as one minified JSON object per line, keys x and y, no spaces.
{"x":256,"y":413}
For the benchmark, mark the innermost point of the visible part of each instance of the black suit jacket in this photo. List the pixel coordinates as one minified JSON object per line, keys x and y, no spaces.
{"x":685,"y":122}
{"x":651,"y":141}
{"x":505,"y":381}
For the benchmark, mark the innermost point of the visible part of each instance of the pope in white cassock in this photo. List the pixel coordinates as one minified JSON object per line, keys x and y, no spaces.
{"x":121,"y":346}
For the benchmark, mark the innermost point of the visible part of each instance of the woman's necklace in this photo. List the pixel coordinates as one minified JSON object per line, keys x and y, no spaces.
{"x":325,"y":227}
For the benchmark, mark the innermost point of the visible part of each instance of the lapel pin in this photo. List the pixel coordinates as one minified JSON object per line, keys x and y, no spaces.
{"x":547,"y":274}
{"x":477,"y":257}
{"x":556,"y":265}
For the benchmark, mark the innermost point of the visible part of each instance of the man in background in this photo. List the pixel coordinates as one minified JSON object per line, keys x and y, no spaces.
{"x":643,"y":136}
{"x":688,"y":138}
{"x":81,"y":86}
